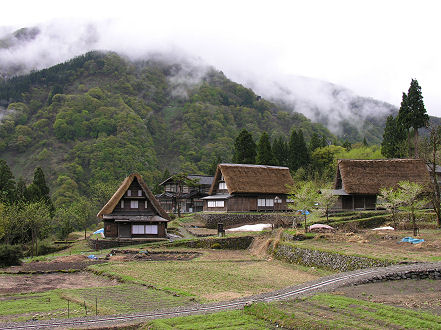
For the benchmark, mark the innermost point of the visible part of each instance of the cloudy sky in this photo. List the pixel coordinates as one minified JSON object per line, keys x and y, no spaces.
{"x":372,"y":47}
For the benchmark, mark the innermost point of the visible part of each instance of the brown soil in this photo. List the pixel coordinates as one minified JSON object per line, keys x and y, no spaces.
{"x":134,"y":255}
{"x":13,"y":284}
{"x":51,"y":266}
{"x":414,"y":294}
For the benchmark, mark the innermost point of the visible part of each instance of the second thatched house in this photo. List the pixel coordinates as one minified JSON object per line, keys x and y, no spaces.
{"x":244,"y":188}
{"x":358,"y":182}
{"x":133,"y":212}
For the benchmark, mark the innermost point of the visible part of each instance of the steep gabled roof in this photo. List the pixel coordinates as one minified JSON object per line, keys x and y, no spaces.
{"x":113,"y":201}
{"x":370,"y":176}
{"x":243,"y":178}
{"x":199,"y":179}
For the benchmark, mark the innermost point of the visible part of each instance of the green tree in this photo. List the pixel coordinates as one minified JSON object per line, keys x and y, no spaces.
{"x":394,"y":138}
{"x":264,"y":153}
{"x":36,"y":218}
{"x":213,"y":166}
{"x":280,"y":151}
{"x":315,"y":142}
{"x":244,"y":148}
{"x":7,"y":183}
{"x":391,"y":200}
{"x":20,"y":192}
{"x":304,"y":196}
{"x":413,"y":112}
{"x":420,"y":118}
{"x":411,"y":199}
{"x":326,"y":200}
{"x":39,"y":191}
{"x":298,"y":153}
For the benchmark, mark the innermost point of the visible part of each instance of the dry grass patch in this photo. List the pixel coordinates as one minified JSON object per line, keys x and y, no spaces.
{"x":217,"y":275}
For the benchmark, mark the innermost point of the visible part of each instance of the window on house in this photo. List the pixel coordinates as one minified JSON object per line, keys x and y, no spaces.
{"x":139,"y":193}
{"x":145,"y":204}
{"x":122,"y":203}
{"x":289,"y":200}
{"x":129,"y":192}
{"x":222,"y":186}
{"x":216,"y":204}
{"x":133,"y":204}
{"x":151,"y":229}
{"x":265,"y":202}
{"x":138,"y":229}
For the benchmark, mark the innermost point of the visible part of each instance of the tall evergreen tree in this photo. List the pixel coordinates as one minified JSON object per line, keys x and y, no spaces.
{"x":20,"y":192}
{"x":298,"y":153}
{"x":315,"y":142}
{"x":304,"y":154}
{"x":244,"y":148}
{"x":280,"y":151}
{"x":415,"y":102}
{"x":39,"y":191}
{"x":293,"y":161}
{"x":213,"y":165}
{"x":394,"y":139}
{"x":264,"y":153}
{"x":412,"y":113}
{"x":7,"y":183}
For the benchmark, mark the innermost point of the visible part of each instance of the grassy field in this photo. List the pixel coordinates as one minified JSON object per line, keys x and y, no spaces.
{"x":383,"y":245}
{"x":126,"y":298}
{"x":217,"y":275}
{"x":224,"y":320}
{"x":334,"y":311}
{"x":41,"y":305}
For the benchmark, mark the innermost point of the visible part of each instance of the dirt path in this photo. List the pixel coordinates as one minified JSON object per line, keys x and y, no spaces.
{"x":15,"y":284}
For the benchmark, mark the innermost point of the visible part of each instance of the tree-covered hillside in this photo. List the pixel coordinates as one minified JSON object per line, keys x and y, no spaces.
{"x":91,"y":121}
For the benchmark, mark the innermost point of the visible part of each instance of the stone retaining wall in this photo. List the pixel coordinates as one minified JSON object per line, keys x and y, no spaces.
{"x":228,"y":243}
{"x":101,"y":244}
{"x":233,"y":219}
{"x":433,"y":274}
{"x":324,"y":259}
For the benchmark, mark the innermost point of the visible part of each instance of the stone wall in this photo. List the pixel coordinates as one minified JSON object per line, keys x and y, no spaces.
{"x":101,"y":244}
{"x":233,"y":219}
{"x":325,"y":259}
{"x":228,"y":243}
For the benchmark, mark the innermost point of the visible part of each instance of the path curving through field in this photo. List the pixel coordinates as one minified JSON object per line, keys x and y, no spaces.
{"x":323,"y":284}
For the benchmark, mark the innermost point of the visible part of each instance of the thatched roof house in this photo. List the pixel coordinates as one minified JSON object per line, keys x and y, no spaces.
{"x":133,"y":212}
{"x":358,"y":182}
{"x":182,"y":196}
{"x":243,"y":187}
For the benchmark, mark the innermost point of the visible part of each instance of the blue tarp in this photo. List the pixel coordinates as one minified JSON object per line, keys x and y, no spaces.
{"x":303,"y":212}
{"x":99,"y":231}
{"x":93,"y":257}
{"x":412,"y":240}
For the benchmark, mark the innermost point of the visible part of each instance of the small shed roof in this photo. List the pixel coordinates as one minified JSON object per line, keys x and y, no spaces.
{"x":370,"y":176}
{"x":245,"y":178}
{"x":113,"y":201}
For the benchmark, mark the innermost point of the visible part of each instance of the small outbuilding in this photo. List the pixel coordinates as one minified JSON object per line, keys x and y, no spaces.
{"x":133,"y":212}
{"x":358,"y":182}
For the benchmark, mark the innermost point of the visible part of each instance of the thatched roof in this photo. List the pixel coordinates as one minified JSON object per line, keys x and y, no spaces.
{"x":370,"y":176}
{"x":113,"y":201}
{"x":263,"y":179}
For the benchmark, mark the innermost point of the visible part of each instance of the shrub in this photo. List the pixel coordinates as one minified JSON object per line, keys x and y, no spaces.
{"x":10,"y":255}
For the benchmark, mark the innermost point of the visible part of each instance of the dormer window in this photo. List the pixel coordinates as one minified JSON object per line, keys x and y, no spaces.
{"x":222,"y":186}
{"x":129,"y":193}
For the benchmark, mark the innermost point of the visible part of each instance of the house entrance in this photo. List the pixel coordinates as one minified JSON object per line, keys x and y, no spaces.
{"x":124,"y":230}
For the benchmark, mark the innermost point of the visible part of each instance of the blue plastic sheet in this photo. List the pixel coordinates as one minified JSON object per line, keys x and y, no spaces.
{"x":99,"y":231}
{"x":412,"y":240}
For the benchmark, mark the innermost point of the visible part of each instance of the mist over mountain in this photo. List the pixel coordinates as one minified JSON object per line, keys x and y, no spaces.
{"x":345,"y":114}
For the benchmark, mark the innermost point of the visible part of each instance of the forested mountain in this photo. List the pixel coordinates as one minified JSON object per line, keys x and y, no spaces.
{"x":92,"y":120}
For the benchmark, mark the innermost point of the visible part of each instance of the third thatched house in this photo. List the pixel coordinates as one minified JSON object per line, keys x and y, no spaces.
{"x":358,"y":182}
{"x":243,"y":188}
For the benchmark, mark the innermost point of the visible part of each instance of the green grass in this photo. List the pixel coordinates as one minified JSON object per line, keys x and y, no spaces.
{"x":222,"y":320}
{"x":50,"y":304}
{"x":210,"y":280}
{"x":126,"y":298}
{"x":334,"y":311}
